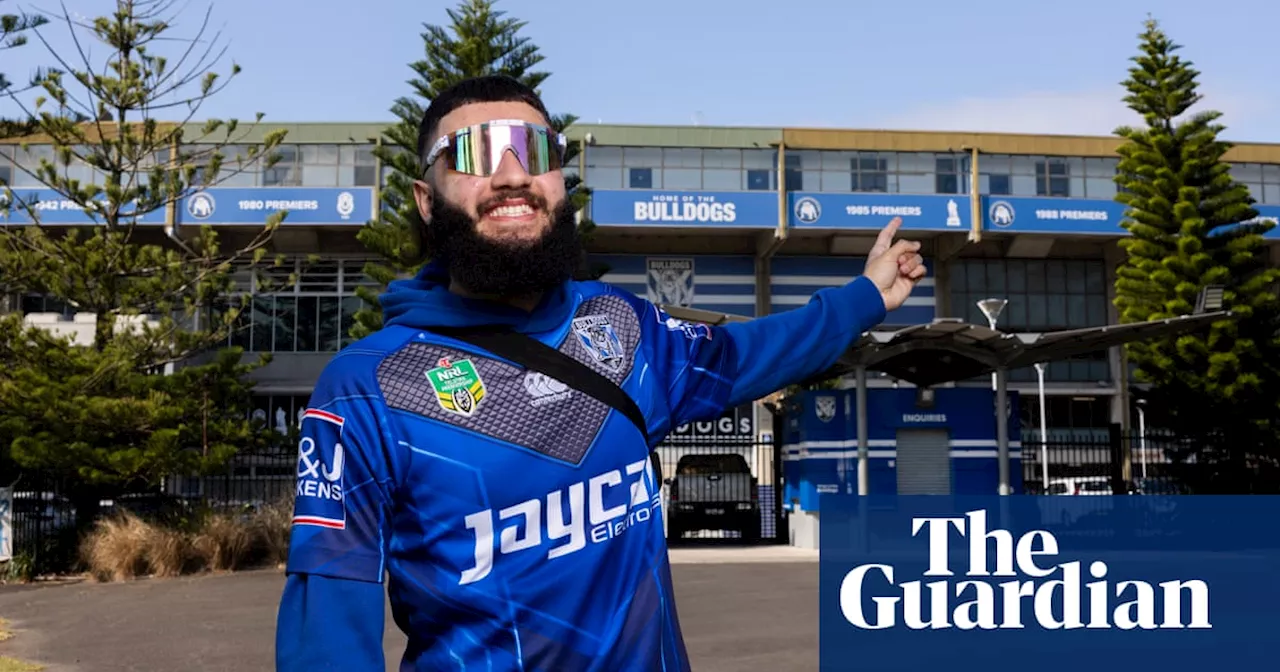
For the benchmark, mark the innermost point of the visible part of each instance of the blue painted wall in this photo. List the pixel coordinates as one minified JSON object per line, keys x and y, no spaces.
{"x":725,"y":284}
{"x":821,"y":443}
{"x":795,"y":279}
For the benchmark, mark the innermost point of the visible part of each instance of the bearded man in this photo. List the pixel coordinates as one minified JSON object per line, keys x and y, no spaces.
{"x":514,"y":511}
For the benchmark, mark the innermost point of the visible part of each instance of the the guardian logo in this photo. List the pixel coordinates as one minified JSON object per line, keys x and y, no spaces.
{"x":1051,"y":595}
{"x":596,"y":510}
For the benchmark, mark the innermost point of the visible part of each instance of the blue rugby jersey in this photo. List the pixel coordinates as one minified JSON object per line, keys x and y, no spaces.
{"x":518,"y":520}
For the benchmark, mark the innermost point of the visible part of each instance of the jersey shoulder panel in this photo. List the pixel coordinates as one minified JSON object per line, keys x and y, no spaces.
{"x":353,"y":369}
{"x":455,"y":385}
{"x":592,"y":288}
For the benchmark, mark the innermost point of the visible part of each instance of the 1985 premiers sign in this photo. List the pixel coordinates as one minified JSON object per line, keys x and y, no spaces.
{"x":976,"y":583}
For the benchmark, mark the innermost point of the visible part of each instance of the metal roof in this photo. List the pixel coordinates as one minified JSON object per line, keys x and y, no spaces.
{"x":949,"y":349}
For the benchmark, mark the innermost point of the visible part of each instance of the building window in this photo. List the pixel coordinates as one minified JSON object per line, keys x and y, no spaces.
{"x":313,"y":315}
{"x":832,"y":171}
{"x":870,"y":173}
{"x":640,"y":178}
{"x":761,"y":166}
{"x":1043,"y":295}
{"x":1052,"y":178}
{"x":722,"y":170}
{"x":1100,"y":178}
{"x":603,"y":167}
{"x":281,"y":412}
{"x":949,"y":175}
{"x":1048,"y":177}
{"x":37,"y":303}
{"x":1263,"y":180}
{"x":795,"y":174}
{"x":682,"y":168}
{"x":1066,"y":413}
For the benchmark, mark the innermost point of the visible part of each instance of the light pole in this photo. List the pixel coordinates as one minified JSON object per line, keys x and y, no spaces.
{"x":1044,"y":432}
{"x":991,"y":308}
{"x":1142,"y":435}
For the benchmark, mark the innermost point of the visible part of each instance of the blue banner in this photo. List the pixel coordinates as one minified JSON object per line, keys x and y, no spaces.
{"x":718,"y":209}
{"x":1049,"y":583}
{"x":253,"y":205}
{"x":1270,"y":213}
{"x":1053,"y":215}
{"x":53,"y":209}
{"x":1073,"y":216}
{"x":249,"y":205}
{"x":951,"y":212}
{"x":811,"y":210}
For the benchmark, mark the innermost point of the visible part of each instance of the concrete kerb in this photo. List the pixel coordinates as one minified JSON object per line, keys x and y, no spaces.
{"x":762,"y":554}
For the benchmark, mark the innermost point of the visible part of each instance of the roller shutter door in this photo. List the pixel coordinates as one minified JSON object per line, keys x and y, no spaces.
{"x":923,"y":462}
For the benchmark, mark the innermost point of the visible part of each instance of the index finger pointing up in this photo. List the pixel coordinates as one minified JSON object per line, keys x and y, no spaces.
{"x":885,"y":239}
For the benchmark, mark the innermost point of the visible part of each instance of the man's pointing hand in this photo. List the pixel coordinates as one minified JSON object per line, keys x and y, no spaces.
{"x":895,"y":268}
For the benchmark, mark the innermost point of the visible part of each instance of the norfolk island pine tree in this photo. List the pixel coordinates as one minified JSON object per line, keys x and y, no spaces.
{"x":107,"y":415}
{"x":1192,"y":225}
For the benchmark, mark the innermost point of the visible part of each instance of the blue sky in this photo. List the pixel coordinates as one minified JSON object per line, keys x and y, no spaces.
{"x":982,"y":65}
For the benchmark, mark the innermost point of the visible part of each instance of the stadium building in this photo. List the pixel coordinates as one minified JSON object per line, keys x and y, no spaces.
{"x":743,"y":221}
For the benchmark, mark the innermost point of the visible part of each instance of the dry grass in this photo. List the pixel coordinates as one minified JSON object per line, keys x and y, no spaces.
{"x":125,"y":546}
{"x":223,"y":543}
{"x":271,"y":526}
{"x":8,"y":664}
{"x":119,"y":548}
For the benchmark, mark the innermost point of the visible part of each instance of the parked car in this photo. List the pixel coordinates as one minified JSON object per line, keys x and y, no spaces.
{"x":43,"y":512}
{"x":713,"y":492}
{"x":1084,"y":485}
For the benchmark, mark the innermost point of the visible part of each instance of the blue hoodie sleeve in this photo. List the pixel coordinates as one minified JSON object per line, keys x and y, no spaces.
{"x":331,"y":614}
{"x":708,"y":369}
{"x":329,"y":624}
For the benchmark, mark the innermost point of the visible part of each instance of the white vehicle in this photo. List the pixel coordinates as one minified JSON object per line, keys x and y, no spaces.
{"x":1084,"y":485}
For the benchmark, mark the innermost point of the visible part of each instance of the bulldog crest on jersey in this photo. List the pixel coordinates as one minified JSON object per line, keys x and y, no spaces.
{"x":600,"y":340}
{"x":458,"y":386}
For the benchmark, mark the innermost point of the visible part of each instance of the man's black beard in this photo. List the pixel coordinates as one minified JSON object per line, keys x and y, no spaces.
{"x":504,"y":269}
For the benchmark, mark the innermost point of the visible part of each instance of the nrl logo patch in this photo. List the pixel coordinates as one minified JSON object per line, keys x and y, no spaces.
{"x":597,"y":336}
{"x":458,"y":386}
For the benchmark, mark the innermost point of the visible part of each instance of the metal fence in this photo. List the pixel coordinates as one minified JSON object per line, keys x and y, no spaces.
{"x":1114,"y":462}
{"x":44,"y":524}
{"x":250,"y":480}
{"x":724,"y":485}
{"x":722,"y":489}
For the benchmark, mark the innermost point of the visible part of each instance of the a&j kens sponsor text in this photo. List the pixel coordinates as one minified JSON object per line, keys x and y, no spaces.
{"x":1034,"y":591}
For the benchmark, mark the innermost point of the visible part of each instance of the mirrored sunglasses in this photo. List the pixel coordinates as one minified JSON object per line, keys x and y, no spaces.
{"x":478,"y":150}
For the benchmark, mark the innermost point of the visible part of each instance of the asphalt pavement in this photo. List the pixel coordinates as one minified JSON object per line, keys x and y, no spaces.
{"x":742,"y":609}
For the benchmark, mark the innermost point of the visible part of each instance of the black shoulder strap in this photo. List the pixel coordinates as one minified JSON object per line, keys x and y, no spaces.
{"x":537,"y":356}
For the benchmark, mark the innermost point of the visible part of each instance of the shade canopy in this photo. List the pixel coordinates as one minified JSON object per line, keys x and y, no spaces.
{"x":949,"y":349}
